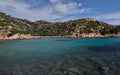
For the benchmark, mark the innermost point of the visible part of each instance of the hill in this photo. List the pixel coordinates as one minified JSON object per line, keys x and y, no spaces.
{"x":87,"y":27}
{"x":10,"y":26}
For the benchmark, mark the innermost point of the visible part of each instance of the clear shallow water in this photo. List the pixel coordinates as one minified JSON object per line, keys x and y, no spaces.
{"x":60,"y":56}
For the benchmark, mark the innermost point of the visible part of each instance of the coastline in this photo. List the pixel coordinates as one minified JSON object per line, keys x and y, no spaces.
{"x":20,"y":37}
{"x":28,"y":36}
{"x":75,"y":37}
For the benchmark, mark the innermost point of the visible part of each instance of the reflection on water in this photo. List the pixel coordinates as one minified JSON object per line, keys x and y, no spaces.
{"x":58,"y":56}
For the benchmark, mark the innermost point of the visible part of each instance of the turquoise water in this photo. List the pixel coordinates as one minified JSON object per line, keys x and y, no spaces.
{"x":60,"y":56}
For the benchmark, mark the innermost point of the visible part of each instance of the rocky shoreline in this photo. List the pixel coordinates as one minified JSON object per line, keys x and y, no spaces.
{"x":19,"y":37}
{"x":90,"y":35}
{"x":28,"y":36}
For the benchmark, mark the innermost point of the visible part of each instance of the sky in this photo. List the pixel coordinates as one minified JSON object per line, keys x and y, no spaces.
{"x":63,"y":10}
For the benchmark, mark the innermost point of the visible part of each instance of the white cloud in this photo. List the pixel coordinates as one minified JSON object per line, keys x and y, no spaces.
{"x":65,"y":8}
{"x":14,"y":7}
{"x":112,"y":18}
{"x":115,"y":22}
{"x":115,"y":15}
{"x":61,"y":8}
{"x":56,"y":1}
{"x":57,"y":10}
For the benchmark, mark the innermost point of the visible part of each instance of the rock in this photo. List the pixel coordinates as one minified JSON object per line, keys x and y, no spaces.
{"x":18,"y":36}
{"x":90,"y":19}
{"x":14,"y":36}
{"x":90,"y":35}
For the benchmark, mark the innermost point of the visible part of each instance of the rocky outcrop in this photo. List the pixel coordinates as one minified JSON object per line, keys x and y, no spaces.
{"x":19,"y":36}
{"x":90,"y":35}
{"x":90,"y":19}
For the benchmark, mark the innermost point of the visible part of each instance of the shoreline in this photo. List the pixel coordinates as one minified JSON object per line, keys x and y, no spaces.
{"x":40,"y":37}
{"x":20,"y":37}
{"x":75,"y":37}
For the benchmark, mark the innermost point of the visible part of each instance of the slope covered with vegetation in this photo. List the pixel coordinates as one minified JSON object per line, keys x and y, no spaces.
{"x":76,"y":27}
{"x":10,"y":26}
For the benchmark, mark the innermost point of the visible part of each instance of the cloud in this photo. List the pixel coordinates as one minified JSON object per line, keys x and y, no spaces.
{"x":62,"y":7}
{"x":69,"y":8}
{"x":115,"y":22}
{"x":56,"y":1}
{"x":114,"y":15}
{"x":112,"y":18}
{"x":51,"y":10}
{"x":15,"y":7}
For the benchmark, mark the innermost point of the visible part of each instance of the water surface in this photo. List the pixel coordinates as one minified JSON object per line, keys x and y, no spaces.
{"x":60,"y":56}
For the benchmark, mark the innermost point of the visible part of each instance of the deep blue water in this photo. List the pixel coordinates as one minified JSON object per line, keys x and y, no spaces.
{"x":60,"y":56}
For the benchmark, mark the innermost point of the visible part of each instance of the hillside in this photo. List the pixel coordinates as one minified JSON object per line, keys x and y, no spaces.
{"x":87,"y":27}
{"x":10,"y":26}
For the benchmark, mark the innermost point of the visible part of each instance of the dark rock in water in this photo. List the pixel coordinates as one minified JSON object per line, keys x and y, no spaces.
{"x":66,"y":73}
{"x":104,"y":48}
{"x":104,"y":70}
{"x":85,"y":73}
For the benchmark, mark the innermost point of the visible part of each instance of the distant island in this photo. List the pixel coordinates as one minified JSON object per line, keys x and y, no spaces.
{"x":15,"y":28}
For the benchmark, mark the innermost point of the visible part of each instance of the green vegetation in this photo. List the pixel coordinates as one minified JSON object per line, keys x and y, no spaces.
{"x":80,"y":26}
{"x":11,"y":26}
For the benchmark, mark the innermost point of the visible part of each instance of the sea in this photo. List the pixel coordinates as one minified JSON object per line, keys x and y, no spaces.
{"x":60,"y":56}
